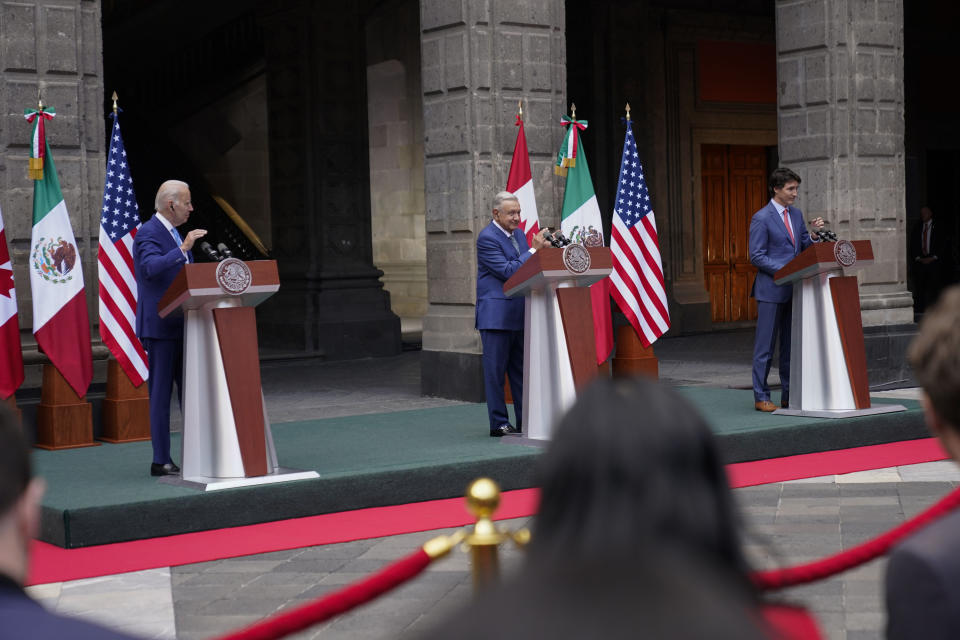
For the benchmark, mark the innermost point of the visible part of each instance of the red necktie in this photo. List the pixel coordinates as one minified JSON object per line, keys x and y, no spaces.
{"x":786,"y":221}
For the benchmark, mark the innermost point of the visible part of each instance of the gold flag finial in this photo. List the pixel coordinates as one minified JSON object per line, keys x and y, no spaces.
{"x":114,"y":98}
{"x":573,"y":111}
{"x":39,"y":100}
{"x":520,"y":109}
{"x":628,"y":112}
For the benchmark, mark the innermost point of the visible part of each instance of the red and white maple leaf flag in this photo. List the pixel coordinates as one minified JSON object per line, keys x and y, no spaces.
{"x":11,"y":369}
{"x":520,"y":184}
{"x":60,"y":321}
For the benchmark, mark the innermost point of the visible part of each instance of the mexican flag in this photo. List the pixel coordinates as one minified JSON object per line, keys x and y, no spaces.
{"x":11,"y":369}
{"x":579,"y":220}
{"x":520,"y":184}
{"x":60,"y":322}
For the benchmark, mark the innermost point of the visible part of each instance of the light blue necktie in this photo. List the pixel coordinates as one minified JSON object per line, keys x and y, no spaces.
{"x":179,"y":241}
{"x":516,"y":245}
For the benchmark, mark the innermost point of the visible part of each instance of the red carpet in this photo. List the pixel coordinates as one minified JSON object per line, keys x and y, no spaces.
{"x":53,"y":564}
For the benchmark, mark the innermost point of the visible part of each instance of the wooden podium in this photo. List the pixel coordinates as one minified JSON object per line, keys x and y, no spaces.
{"x":559,"y":352}
{"x":828,"y":363}
{"x":226,"y":433}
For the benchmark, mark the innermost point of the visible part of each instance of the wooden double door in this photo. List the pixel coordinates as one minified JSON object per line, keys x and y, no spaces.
{"x":734,"y":188}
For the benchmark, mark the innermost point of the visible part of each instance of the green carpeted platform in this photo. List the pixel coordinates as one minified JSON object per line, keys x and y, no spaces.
{"x":104,"y":494}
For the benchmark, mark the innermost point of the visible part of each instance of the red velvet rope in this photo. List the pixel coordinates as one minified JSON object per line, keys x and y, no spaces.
{"x":840,"y":562}
{"x":335,"y":603}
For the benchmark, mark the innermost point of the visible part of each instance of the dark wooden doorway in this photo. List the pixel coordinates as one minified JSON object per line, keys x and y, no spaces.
{"x":734,"y":187}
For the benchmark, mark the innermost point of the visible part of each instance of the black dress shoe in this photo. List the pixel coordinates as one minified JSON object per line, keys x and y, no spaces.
{"x":504,"y":430}
{"x":168,"y":469}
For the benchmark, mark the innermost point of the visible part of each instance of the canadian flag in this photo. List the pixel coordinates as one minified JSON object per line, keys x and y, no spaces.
{"x":520,"y":184}
{"x":11,"y":366}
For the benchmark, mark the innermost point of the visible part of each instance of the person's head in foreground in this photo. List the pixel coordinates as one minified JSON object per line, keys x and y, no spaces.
{"x":935,"y":357}
{"x":632,"y":467}
{"x":635,"y":536}
{"x":20,"y":495}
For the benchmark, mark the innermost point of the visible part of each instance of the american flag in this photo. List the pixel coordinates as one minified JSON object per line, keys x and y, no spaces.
{"x":637,"y":271}
{"x":119,"y":222}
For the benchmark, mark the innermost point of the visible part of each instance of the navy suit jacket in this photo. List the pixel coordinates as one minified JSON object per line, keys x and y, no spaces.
{"x":771,"y":249}
{"x":157,"y":260}
{"x":497,"y":260}
{"x":22,"y":617}
{"x":923,"y":583}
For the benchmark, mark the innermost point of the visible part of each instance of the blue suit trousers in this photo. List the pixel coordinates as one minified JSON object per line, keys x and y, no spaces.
{"x":773,"y":318}
{"x":502,"y":354}
{"x":165,"y":363}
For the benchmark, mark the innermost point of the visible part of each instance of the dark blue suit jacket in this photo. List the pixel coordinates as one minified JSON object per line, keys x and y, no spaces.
{"x":771,"y":249}
{"x":923,"y":583}
{"x":497,"y":260}
{"x":157,"y":260}
{"x":21,"y":617}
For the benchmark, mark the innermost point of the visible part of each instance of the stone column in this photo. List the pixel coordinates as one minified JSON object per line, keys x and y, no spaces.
{"x":479,"y":59}
{"x":840,"y":84}
{"x":331,"y":300}
{"x":54,"y":47}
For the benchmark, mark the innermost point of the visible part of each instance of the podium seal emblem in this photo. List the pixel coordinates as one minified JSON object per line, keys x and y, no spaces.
{"x":233,"y":276}
{"x":845,"y":253}
{"x":576,"y":258}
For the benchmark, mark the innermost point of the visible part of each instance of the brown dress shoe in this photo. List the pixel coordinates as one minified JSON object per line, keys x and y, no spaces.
{"x":764,"y":405}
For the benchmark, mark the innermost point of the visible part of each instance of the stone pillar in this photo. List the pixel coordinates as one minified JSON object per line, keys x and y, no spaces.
{"x":840,"y":85}
{"x":331,"y":300}
{"x":54,"y":47}
{"x":479,"y":59}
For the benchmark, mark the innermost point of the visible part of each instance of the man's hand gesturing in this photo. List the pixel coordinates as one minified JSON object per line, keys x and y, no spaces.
{"x":192,"y":237}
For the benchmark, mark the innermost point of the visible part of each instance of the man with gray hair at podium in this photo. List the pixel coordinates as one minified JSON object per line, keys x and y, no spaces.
{"x":501,"y":249}
{"x":159,"y":252}
{"x":20,"y":493}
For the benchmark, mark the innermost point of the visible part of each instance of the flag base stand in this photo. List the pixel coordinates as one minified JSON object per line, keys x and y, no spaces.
{"x":632,"y":357}
{"x":126,"y":409}
{"x":64,"y":419}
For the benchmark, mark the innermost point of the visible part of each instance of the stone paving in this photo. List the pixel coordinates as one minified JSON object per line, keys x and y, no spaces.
{"x":785,"y":523}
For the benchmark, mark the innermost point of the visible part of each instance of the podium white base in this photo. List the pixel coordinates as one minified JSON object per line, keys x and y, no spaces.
{"x":204,"y":483}
{"x":853,"y":413}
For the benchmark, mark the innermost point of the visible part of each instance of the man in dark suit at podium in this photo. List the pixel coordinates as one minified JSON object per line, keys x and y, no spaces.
{"x":159,"y":252}
{"x":777,"y":235}
{"x":501,"y":249}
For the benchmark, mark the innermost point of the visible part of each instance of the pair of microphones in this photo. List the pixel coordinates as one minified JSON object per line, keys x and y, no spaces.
{"x":221,"y":253}
{"x":556,"y":238}
{"x":825,"y":234}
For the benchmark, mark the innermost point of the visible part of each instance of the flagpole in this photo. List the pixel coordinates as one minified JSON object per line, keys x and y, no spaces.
{"x":114,"y":98}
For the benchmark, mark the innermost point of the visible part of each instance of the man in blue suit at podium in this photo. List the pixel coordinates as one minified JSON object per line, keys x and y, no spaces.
{"x":501,"y":249}
{"x":159,"y":252}
{"x":777,"y":235}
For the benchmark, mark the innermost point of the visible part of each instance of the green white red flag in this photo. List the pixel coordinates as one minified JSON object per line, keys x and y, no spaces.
{"x":11,"y":359}
{"x":60,"y":322}
{"x":580,"y":220}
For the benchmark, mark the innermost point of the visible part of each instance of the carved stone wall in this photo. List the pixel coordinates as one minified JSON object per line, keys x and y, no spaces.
{"x":479,"y":60}
{"x":53,"y":47}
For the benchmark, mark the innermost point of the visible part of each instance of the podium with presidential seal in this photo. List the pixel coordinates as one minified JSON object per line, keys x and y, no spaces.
{"x":559,"y":352}
{"x":828,"y":367}
{"x":226,"y":441}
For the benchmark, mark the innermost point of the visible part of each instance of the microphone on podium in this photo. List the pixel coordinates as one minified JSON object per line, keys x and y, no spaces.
{"x":210,"y":252}
{"x":224,"y":251}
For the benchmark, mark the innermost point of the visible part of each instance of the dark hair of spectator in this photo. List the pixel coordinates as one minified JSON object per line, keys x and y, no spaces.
{"x":935,"y":355}
{"x":634,"y":467}
{"x":781,"y":176}
{"x":14,"y":460}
